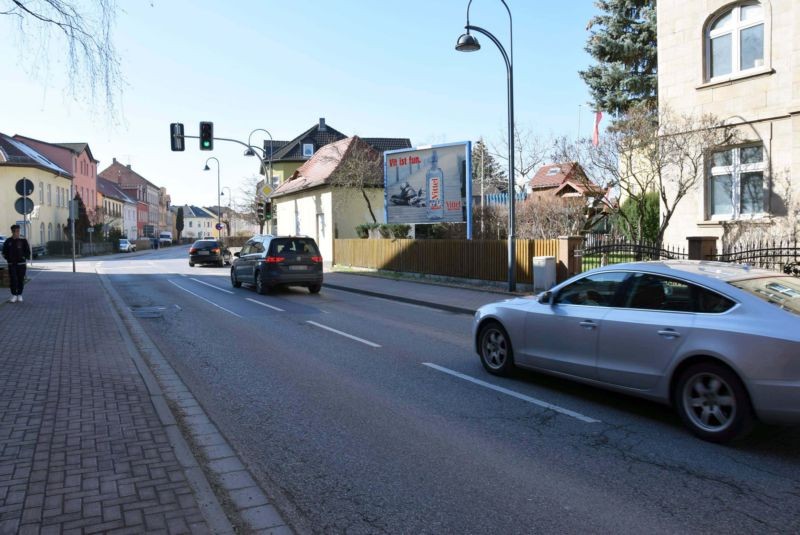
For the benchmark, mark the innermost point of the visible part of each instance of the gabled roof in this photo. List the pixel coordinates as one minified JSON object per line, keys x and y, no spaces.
{"x":75,"y":148}
{"x":319,"y":135}
{"x":553,"y":175}
{"x":123,"y":175}
{"x":15,"y":153}
{"x":319,"y":169}
{"x":382,"y":144}
{"x":109,"y":189}
{"x":192,"y":211}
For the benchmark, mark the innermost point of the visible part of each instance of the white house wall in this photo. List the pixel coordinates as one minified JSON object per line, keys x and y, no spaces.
{"x":50,"y":197}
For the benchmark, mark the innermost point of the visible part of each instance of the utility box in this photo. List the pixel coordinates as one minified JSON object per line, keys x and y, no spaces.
{"x":544,"y":273}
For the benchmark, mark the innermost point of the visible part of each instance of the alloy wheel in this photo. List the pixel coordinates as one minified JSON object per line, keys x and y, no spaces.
{"x":709,"y":401}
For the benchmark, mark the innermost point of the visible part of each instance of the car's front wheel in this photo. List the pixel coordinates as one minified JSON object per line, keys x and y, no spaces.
{"x":234,"y":280}
{"x":314,"y":288}
{"x":713,"y":402}
{"x":191,"y":264}
{"x":494,"y":347}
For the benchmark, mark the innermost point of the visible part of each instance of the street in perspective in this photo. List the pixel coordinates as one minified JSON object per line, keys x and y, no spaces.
{"x":573,"y":311}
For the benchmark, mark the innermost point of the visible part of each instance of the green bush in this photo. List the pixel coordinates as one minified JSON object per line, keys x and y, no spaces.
{"x":395,"y":230}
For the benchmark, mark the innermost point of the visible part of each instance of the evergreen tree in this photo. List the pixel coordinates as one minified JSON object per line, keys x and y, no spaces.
{"x":179,"y":222}
{"x":623,"y":42}
{"x":494,"y":177}
{"x":82,"y":223}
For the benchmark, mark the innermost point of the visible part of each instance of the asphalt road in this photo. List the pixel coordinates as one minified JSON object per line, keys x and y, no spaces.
{"x":363,"y":415}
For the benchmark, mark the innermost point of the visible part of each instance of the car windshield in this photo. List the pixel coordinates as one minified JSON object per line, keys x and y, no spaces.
{"x":783,"y":291}
{"x":205,"y":243}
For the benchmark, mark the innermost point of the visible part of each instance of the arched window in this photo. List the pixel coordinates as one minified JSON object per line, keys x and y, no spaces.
{"x":49,"y":232}
{"x":41,"y":233}
{"x":735,"y":40}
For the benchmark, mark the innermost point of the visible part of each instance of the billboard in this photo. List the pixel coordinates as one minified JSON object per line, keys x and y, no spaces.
{"x":428,"y":184}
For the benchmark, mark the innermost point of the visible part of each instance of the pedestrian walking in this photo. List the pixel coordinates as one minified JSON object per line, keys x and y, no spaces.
{"x":17,"y":252}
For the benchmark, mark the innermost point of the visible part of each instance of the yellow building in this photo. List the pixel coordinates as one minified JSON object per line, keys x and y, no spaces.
{"x":50,"y":196}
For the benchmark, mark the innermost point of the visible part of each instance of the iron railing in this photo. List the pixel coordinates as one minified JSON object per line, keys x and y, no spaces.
{"x":603,"y":249}
{"x":783,"y":256}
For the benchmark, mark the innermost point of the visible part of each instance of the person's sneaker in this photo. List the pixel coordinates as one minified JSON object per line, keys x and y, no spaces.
{"x":13,"y":299}
{"x":19,"y":299}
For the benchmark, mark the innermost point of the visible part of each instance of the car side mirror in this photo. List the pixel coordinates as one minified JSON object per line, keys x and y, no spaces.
{"x":237,"y":254}
{"x":546,"y":298}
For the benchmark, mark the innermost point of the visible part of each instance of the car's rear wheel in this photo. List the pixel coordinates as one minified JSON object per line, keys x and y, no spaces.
{"x":713,"y":402}
{"x":314,"y":288}
{"x":261,"y":287}
{"x":221,"y":262}
{"x":191,"y":264}
{"x":494,"y":348}
{"x":235,"y":281}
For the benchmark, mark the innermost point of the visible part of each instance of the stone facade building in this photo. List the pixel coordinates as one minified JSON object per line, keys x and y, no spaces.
{"x":738,"y":60}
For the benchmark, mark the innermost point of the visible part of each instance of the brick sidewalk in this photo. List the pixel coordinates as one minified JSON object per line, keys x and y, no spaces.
{"x":82,"y":449}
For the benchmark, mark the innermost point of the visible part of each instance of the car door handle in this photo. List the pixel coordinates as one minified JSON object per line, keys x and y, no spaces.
{"x":669,"y":333}
{"x":588,"y":324}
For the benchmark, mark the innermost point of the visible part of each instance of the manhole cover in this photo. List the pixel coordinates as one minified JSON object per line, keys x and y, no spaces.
{"x":148,"y":312}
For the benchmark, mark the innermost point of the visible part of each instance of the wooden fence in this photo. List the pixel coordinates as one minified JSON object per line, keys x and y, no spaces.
{"x":469,"y":259}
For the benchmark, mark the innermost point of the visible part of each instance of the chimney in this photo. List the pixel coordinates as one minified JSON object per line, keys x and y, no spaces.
{"x":128,"y":166}
{"x":115,"y":159}
{"x":322,"y":126}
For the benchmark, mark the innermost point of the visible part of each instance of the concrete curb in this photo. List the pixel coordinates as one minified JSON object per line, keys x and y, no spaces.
{"x":241,"y":492}
{"x":409,"y":300}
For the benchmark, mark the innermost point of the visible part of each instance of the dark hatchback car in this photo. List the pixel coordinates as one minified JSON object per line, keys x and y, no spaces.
{"x":209,"y":251}
{"x":269,"y":261}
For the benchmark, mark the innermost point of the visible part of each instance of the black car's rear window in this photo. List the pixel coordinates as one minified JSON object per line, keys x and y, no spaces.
{"x":205,"y":243}
{"x":294,"y":245}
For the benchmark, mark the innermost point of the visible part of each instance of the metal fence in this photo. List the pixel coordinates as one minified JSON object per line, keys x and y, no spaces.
{"x":781,"y":256}
{"x":603,"y":249}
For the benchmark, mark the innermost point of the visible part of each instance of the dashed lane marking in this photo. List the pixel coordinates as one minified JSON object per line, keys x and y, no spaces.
{"x":331,"y":329}
{"x":264,"y":304}
{"x":204,"y":299}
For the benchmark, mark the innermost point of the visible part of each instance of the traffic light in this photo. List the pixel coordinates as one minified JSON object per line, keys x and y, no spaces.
{"x":260,"y":205}
{"x":268,"y":210}
{"x":206,"y":135}
{"x":176,"y":136}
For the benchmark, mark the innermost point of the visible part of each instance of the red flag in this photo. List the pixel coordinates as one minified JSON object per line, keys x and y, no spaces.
{"x":598,"y":116}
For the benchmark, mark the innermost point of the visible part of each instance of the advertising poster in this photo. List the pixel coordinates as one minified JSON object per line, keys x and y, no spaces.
{"x":427,"y":185}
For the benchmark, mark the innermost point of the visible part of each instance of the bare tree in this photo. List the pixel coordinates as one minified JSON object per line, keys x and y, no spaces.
{"x":249,"y":208}
{"x":649,"y":152}
{"x":359,"y":168}
{"x":92,"y":60}
{"x":529,"y":154}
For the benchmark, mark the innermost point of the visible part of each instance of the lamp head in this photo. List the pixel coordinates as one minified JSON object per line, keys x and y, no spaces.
{"x":467,"y":43}
{"x":206,"y":168}
{"x":249,"y":152}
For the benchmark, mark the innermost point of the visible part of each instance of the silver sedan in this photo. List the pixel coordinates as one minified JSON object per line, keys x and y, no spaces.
{"x":720,"y":342}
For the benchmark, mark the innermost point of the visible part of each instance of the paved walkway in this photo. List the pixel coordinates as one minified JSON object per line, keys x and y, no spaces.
{"x":82,"y":448}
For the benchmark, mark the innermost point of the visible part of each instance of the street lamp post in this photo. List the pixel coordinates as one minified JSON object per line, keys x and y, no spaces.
{"x":219,"y":211}
{"x":468,"y":43}
{"x":230,"y":199}
{"x":251,"y":152}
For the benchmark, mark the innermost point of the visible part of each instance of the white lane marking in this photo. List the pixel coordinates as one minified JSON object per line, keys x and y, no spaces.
{"x":331,"y":329}
{"x":517,"y":395}
{"x":211,"y":286}
{"x":204,"y":299}
{"x":264,"y":304}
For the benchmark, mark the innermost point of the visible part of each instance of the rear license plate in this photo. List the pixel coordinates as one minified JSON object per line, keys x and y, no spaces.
{"x":202,"y":252}
{"x":297,"y":268}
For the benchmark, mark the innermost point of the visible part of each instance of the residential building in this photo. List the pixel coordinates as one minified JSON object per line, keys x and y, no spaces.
{"x":292,"y":154}
{"x":738,"y":61}
{"x":116,"y":210}
{"x":311,"y":203}
{"x":76,"y":159}
{"x":563,"y":180}
{"x":197,"y":222}
{"x":50,"y":196}
{"x":149,"y":198}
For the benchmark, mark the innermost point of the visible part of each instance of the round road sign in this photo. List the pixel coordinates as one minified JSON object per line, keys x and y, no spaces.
{"x":24,"y":187}
{"x":23,"y":205}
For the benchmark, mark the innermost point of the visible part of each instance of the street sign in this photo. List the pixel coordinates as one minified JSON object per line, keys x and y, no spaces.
{"x":219,"y":226}
{"x":24,"y":187}
{"x":23,"y":205}
{"x":266,"y":190}
{"x":90,"y":230}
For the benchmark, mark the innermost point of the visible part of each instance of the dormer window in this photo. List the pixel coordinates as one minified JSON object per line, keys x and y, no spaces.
{"x":735,"y":40}
{"x":308,"y":150}
{"x":553,"y":171}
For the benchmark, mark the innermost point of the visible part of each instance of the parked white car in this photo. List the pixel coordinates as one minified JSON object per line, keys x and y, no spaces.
{"x":126,"y":246}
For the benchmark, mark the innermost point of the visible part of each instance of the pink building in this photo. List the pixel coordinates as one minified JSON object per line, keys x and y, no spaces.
{"x":77,"y":159}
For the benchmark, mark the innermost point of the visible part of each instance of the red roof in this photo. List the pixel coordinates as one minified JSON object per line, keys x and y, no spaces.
{"x":552,"y":176}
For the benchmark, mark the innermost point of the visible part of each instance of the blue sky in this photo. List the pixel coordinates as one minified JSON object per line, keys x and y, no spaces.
{"x":370,"y":67}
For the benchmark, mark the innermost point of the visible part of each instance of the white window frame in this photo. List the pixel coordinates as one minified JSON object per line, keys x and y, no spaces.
{"x":736,"y":170}
{"x":734,"y":29}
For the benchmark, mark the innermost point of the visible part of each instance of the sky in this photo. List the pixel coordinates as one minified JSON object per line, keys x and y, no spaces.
{"x":373,"y":68}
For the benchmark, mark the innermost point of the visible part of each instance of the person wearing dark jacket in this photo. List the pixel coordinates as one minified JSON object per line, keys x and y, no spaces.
{"x":17,"y":252}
